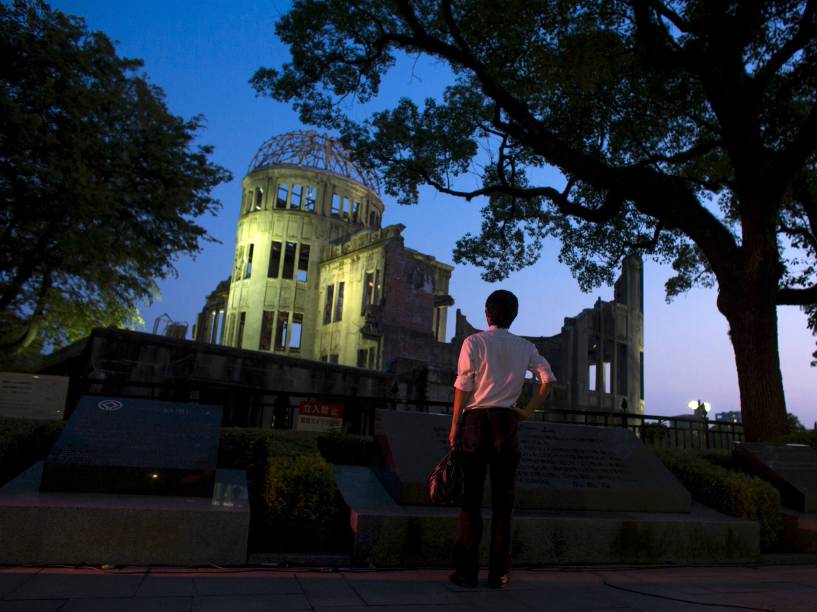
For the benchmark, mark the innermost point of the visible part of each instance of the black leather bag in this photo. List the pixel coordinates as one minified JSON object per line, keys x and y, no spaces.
{"x":445,"y":483}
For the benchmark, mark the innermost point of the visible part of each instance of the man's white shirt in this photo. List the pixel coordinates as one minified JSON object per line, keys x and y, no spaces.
{"x":492,"y":367}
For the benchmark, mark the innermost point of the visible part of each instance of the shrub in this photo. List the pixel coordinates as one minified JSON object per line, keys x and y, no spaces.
{"x":347,"y":448}
{"x":802,"y":436}
{"x":731,"y":492}
{"x":23,"y":442}
{"x":301,"y":501}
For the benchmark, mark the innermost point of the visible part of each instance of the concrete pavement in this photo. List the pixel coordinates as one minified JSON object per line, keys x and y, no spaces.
{"x":85,"y":589}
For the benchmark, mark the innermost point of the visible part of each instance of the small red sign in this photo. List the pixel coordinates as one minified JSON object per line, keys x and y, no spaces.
{"x":321,"y":409}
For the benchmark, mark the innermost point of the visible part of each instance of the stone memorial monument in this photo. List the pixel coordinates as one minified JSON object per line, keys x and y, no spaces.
{"x":584,"y":494}
{"x":131,"y":482}
{"x":562,"y":466}
{"x":792,"y":468}
{"x":136,"y":446}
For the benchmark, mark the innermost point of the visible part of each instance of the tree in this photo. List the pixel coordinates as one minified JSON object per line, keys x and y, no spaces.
{"x":684,"y":130}
{"x":99,"y":184}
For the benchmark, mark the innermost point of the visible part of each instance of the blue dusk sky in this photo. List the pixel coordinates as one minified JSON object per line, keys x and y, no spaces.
{"x":202,"y":54}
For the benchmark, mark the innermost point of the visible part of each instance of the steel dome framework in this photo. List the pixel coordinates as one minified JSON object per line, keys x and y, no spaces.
{"x":311,"y":150}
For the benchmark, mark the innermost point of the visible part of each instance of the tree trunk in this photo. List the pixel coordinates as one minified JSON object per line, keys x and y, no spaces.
{"x":753,"y":331}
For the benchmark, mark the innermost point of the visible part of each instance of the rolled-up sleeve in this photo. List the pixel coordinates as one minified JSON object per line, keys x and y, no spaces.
{"x":466,"y":374}
{"x":540,"y":366}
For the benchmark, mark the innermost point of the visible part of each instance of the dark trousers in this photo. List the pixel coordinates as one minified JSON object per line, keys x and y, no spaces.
{"x":488,"y":443}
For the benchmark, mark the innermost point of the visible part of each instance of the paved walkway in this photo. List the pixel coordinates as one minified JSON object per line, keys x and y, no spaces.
{"x":780,"y":587}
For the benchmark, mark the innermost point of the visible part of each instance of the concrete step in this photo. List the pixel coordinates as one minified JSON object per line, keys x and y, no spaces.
{"x":387,"y":534}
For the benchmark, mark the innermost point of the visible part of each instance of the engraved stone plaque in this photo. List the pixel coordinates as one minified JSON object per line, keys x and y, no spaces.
{"x":32,"y":396}
{"x":792,"y":468}
{"x":562,"y":467}
{"x":136,"y":446}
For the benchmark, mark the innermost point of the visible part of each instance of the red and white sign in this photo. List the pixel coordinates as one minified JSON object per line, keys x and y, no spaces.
{"x":319,"y":416}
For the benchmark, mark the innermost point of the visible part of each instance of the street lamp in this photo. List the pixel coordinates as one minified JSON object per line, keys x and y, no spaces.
{"x":701,"y":408}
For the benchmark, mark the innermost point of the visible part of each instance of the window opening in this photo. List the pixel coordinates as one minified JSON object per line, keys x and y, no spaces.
{"x":274,"y":260}
{"x":372,"y":355}
{"x":303,"y":263}
{"x":248,"y":269}
{"x":347,"y":209}
{"x":266,"y":331}
{"x":336,"y":202}
{"x":355,"y":212}
{"x":377,"y":297}
{"x":368,"y":291}
{"x":295,"y":331}
{"x":327,"y":307}
{"x":591,"y":377}
{"x":281,"y":331}
{"x":362,"y":355}
{"x":371,"y":219}
{"x":223,"y":326}
{"x":283,"y":196}
{"x":242,"y":317}
{"x":339,"y":303}
{"x":311,"y":198}
{"x":213,"y":326}
{"x":608,"y":388}
{"x":333,"y":358}
{"x":297,"y":196}
{"x":289,"y":260}
{"x":259,"y":199}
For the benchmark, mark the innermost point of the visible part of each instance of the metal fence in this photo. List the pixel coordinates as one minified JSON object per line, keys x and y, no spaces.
{"x":249,"y":406}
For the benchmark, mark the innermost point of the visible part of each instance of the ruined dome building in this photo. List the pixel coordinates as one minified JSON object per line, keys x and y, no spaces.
{"x":316,"y":276}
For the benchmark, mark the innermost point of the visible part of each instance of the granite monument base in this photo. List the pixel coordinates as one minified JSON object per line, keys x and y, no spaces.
{"x":563,"y":467}
{"x":42,"y":528}
{"x":388,"y":534}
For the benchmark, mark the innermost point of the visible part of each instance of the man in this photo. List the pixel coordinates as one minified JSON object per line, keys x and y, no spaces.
{"x":490,"y":374}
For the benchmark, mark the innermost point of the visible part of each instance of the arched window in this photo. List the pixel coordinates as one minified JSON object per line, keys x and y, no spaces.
{"x":258,"y":202}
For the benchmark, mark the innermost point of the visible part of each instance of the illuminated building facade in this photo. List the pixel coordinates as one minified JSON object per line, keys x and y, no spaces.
{"x":315,"y":275}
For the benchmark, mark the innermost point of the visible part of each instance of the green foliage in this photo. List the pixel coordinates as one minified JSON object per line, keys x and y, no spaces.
{"x":100,"y":185}
{"x":23,"y":442}
{"x":347,"y":449}
{"x":794,"y":423}
{"x":728,"y":491}
{"x":800,"y":436}
{"x":685,"y":131}
{"x":300,"y":498}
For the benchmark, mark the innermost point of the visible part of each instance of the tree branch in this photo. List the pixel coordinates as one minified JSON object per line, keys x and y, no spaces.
{"x":672,"y":16}
{"x":613,"y":203}
{"x":788,"y":162}
{"x":648,"y":244}
{"x":797,"y":297}
{"x":805,"y":31}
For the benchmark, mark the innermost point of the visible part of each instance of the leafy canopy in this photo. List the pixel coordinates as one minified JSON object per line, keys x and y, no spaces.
{"x":100,"y":185}
{"x":684,"y":130}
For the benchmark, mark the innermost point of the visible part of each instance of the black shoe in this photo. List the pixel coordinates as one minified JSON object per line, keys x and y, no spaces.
{"x":463,"y":581}
{"x":498,"y":582}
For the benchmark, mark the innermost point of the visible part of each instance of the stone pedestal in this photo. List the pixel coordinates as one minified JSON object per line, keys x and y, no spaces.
{"x":41,"y":528}
{"x":388,"y":534}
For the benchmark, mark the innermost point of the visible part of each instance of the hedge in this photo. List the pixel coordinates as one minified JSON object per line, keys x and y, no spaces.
{"x":24,"y":442}
{"x":728,"y":491}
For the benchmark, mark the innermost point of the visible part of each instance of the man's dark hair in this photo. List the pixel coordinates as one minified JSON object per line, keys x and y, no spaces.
{"x":502,"y":307}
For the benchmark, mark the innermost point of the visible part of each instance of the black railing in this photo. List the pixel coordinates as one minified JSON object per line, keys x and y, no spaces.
{"x":250,"y":406}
